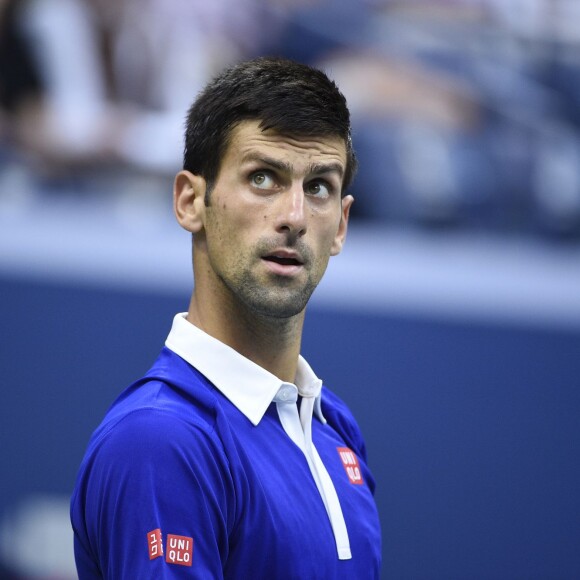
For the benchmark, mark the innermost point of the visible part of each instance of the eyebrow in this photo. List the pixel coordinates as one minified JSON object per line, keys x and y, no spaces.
{"x":313,"y":168}
{"x":318,"y":168}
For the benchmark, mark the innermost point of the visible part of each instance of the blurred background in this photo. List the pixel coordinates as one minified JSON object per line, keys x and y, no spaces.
{"x":450,"y":324}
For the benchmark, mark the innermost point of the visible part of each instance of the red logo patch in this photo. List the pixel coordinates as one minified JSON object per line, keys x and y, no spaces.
{"x":155,"y":544}
{"x":351,"y":465}
{"x":179,"y":550}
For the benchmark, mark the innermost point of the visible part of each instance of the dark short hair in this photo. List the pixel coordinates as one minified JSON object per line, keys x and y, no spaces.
{"x":287,"y":97}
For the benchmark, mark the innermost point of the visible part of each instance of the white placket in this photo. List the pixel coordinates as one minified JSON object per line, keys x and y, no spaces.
{"x":299,"y":429}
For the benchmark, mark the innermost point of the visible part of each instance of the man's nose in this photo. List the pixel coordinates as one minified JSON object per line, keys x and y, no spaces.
{"x":292,"y":211}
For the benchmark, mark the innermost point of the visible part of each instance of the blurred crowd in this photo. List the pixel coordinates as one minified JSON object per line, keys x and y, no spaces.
{"x":466,"y":113}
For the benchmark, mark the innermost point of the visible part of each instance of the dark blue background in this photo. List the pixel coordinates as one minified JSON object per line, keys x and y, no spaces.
{"x":473,"y":430}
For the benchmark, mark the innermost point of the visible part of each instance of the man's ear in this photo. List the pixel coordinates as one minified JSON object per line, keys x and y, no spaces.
{"x":189,"y":201}
{"x":346,"y":203}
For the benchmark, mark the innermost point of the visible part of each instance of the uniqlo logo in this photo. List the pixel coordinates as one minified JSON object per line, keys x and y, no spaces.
{"x":155,"y":544}
{"x":179,"y":550}
{"x":351,"y":465}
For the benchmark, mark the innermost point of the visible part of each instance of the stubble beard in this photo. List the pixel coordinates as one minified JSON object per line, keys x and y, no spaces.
{"x":269,"y":295}
{"x":278,"y":299}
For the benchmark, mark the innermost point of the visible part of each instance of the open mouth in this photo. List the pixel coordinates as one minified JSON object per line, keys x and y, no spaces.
{"x":284,"y":261}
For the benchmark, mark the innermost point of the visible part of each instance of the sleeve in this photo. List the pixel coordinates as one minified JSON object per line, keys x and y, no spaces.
{"x":154,"y":500}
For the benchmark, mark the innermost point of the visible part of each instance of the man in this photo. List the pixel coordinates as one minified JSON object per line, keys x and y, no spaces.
{"x":228,"y":459}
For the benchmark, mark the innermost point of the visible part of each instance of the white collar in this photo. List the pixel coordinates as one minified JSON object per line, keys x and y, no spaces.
{"x":248,"y":386}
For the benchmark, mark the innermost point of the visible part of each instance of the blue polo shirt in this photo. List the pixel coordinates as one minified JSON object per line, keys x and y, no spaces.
{"x":211,"y":467}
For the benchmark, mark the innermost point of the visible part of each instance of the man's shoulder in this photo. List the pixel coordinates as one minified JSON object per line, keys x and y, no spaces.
{"x":170,"y":403}
{"x":333,"y":404}
{"x":339,"y":416}
{"x":158,"y":445}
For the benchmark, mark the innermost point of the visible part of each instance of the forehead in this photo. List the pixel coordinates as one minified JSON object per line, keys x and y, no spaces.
{"x":248,"y":138}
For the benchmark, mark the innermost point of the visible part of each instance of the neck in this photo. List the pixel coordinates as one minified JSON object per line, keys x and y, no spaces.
{"x":272,"y":343}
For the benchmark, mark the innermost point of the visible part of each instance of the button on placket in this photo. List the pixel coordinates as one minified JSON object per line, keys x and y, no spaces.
{"x":285,"y":400}
{"x":286,"y":394}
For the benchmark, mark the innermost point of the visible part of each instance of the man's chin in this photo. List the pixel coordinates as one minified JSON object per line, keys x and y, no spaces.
{"x":279,"y":310}
{"x":274,"y":299}
{"x":280,"y":305}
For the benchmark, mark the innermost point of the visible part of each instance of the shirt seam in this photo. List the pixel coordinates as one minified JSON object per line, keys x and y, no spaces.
{"x":201,"y":426}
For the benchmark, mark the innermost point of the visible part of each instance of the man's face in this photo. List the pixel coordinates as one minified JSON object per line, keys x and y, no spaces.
{"x":275,"y":217}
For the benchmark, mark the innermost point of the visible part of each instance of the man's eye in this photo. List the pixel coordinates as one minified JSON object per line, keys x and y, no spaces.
{"x":261,"y":180}
{"x":318,"y":189}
